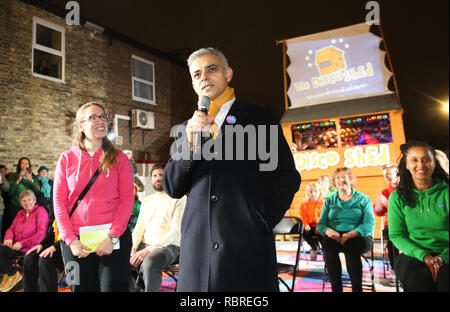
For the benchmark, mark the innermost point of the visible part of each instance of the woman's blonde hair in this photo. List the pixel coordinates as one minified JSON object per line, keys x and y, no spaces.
{"x":346,"y":171}
{"x":316,"y":186}
{"x":109,"y":158}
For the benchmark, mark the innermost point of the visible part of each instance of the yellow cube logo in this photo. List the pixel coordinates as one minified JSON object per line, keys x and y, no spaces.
{"x":330,"y":60}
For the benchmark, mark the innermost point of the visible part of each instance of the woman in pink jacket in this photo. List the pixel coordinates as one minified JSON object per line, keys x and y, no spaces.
{"x":109,"y":201}
{"x":27,"y":230}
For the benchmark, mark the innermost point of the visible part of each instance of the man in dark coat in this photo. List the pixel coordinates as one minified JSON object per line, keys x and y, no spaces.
{"x":237,"y":192}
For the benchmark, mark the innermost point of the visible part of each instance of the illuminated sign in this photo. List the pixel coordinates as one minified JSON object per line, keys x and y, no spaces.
{"x":335,"y":65}
{"x":371,"y":155}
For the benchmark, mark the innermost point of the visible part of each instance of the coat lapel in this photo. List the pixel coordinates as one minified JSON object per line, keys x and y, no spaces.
{"x":238,"y":110}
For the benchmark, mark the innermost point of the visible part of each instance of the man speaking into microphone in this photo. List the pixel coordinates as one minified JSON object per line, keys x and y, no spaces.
{"x":232,"y":204}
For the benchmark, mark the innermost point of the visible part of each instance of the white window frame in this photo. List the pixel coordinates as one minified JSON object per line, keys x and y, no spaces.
{"x":133,"y":79}
{"x":62,"y":53}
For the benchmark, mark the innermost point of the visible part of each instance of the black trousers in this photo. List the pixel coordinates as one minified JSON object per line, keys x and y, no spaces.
{"x":416,"y":277}
{"x":6,"y":256}
{"x":43,"y":269}
{"x":352,"y":249}
{"x":312,"y":238}
{"x":94,"y":273}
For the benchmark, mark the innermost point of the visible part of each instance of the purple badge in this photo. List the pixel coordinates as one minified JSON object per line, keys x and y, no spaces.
{"x":231,"y":119}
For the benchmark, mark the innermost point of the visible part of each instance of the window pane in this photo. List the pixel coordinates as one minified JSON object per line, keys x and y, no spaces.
{"x":48,"y":37}
{"x":362,"y":130}
{"x":142,"y":70}
{"x":314,"y":135}
{"x":47,"y":64}
{"x":143,"y":90}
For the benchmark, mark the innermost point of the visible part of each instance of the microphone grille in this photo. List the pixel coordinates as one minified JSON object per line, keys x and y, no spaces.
{"x":203,"y":102}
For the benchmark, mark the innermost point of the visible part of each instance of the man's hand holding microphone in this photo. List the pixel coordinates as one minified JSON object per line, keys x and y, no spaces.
{"x":200,"y":122}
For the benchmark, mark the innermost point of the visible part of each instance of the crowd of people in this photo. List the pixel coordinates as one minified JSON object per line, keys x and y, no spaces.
{"x":213,"y":218}
{"x":416,"y":243}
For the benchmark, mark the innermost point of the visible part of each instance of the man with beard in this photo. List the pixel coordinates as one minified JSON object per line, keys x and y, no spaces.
{"x":156,"y":237}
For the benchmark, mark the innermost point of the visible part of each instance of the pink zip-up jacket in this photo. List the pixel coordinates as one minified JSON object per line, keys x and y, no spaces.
{"x":28,"y":230}
{"x":109,"y":200}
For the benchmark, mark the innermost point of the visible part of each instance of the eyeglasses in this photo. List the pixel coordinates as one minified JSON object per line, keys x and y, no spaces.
{"x":94,"y":117}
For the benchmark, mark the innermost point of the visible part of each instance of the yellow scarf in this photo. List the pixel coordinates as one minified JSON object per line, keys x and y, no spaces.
{"x":216,"y":104}
{"x":215,"y":107}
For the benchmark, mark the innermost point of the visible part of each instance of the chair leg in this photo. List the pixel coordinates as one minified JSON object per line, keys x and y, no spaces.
{"x":324,"y":276}
{"x":304,"y":251}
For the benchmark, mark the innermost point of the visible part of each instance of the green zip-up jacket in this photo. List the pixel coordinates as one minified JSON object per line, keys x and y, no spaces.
{"x":423,"y":229}
{"x":345,"y":216}
{"x":24,"y":184}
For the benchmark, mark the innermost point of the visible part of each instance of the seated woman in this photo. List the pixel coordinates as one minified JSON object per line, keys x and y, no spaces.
{"x":27,"y":230}
{"x":347,"y":223}
{"x":418,"y":220}
{"x":310,"y":210}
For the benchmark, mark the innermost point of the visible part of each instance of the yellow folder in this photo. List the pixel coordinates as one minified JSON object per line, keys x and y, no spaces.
{"x":92,"y":236}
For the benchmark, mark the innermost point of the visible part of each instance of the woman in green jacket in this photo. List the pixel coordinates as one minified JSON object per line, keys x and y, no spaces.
{"x":418,"y":220}
{"x":347,"y":223}
{"x":23,"y":179}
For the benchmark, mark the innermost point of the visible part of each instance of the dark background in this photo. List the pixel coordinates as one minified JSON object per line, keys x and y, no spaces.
{"x":416,"y":34}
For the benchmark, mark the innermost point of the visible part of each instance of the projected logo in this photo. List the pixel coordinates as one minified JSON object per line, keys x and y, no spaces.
{"x":330,"y":60}
{"x":335,"y":67}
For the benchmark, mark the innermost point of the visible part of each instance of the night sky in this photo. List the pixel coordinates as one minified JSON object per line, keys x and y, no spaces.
{"x":416,"y":33}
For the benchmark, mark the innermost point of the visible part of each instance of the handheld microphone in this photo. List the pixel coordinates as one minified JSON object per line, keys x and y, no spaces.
{"x":203,"y":105}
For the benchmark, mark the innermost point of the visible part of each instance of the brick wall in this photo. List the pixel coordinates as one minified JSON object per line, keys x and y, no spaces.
{"x":37,"y":114}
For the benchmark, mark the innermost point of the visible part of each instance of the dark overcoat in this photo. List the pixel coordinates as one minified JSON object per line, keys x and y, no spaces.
{"x":232,"y":205}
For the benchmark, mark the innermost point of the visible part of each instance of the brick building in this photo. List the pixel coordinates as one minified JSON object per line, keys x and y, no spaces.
{"x":84,"y":63}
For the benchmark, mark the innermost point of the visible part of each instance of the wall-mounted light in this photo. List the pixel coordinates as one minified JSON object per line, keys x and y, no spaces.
{"x":94,"y":28}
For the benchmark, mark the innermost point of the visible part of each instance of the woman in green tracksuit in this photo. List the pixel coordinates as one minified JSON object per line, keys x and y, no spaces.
{"x":418,"y":220}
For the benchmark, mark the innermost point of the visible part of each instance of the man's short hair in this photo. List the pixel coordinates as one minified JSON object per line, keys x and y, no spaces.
{"x":157,"y":166}
{"x":207,"y":51}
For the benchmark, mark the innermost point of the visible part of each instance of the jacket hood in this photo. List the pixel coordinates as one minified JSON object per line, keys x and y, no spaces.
{"x":80,"y":154}
{"x":438,"y":186}
{"x":423,"y":197}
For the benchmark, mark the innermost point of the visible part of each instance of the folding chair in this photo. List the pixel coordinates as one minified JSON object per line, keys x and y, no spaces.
{"x":302,"y":248}
{"x":384,"y":246}
{"x":171,"y":270}
{"x":397,"y":282}
{"x":366,"y":256}
{"x":289,"y":226}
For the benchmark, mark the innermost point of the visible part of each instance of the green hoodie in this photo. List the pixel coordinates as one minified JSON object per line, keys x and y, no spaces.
{"x":423,"y":229}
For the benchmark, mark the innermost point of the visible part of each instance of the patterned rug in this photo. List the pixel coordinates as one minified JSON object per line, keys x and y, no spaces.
{"x":309,"y":277}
